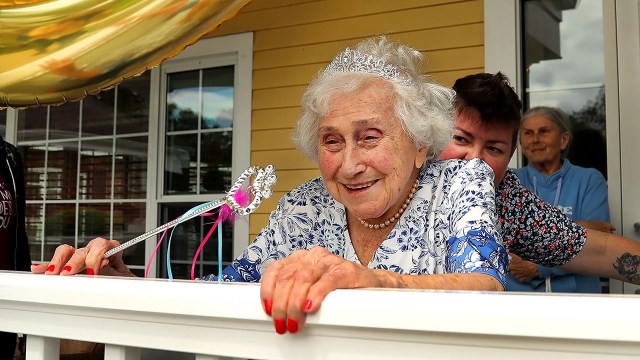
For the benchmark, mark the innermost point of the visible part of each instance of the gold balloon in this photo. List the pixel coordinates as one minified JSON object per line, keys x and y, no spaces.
{"x":54,"y":51}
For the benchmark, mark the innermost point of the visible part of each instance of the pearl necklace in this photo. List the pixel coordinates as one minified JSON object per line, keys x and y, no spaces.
{"x":398,"y":213}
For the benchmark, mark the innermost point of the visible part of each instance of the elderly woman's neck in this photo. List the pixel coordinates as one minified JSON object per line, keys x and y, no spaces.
{"x":548,"y":168}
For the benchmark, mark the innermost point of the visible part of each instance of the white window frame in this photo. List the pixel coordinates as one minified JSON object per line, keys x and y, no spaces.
{"x":218,"y":51}
{"x":502,"y":46}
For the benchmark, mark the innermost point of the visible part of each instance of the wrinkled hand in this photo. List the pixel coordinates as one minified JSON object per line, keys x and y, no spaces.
{"x":523,"y":270}
{"x":598,"y":225}
{"x":68,"y":260}
{"x":296,"y":285}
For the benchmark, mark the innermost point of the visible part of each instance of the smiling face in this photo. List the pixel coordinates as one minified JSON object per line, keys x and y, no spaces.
{"x":473,"y":139}
{"x":367,"y":161}
{"x":542,"y":143}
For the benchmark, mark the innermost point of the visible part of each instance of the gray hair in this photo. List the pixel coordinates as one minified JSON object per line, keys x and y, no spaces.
{"x":556,"y":116}
{"x":423,"y":106}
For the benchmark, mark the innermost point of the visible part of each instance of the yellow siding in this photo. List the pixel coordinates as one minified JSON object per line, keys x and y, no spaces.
{"x":294,"y":39}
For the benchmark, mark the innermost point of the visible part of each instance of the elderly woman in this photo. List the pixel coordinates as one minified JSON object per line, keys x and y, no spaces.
{"x":580,"y":193}
{"x":382,"y":214}
{"x":487,"y":122}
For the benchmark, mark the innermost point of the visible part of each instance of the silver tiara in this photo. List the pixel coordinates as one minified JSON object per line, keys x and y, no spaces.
{"x":353,"y":61}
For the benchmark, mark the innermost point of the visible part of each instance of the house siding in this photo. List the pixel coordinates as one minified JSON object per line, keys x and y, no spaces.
{"x":294,"y":39}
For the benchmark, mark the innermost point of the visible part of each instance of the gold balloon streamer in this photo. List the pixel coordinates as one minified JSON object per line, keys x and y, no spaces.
{"x":52,"y":51}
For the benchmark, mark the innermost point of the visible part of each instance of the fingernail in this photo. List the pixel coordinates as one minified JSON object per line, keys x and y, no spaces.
{"x":281,"y":328}
{"x":292,"y":326}
{"x":307,"y":305}
{"x":66,"y":268}
{"x":51,"y":268}
{"x":90,"y":271}
{"x":267,"y":306}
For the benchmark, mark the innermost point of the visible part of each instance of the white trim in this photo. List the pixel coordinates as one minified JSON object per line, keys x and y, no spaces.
{"x":502,"y":47}
{"x":11,"y":131}
{"x":228,"y":320}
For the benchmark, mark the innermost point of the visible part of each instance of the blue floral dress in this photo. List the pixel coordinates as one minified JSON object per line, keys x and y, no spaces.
{"x":449,"y":227}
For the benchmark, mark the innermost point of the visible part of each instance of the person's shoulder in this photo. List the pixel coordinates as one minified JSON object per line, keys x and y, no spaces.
{"x":456,"y":164}
{"x":308,"y":190}
{"x":585,"y":173}
{"x":460,"y":168}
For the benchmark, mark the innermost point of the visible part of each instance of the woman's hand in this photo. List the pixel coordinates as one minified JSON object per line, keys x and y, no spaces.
{"x":295,"y":286}
{"x":68,"y":260}
{"x":522,"y":270}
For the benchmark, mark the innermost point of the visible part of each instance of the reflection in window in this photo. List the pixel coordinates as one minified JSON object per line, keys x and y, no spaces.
{"x":86,"y":169}
{"x":564,"y":67}
{"x":199,"y":131}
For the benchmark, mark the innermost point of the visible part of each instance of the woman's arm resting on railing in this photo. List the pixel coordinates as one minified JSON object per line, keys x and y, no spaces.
{"x":609,"y":255}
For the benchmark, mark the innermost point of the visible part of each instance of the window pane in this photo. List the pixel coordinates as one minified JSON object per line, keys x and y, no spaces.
{"x":62,"y":168}
{"x":34,"y":218}
{"x":130,"y":177}
{"x":97,"y":114}
{"x":33,"y":158}
{"x":215,"y":167}
{"x":133,"y":104}
{"x":64,"y":120}
{"x":180,"y":164}
{"x":32,"y":124}
{"x":217,"y":90}
{"x":183,"y":101}
{"x":95,"y":169}
{"x":564,"y":60}
{"x":186,"y":239}
{"x":129,"y":222}
{"x":93,"y":222}
{"x":60,"y":227}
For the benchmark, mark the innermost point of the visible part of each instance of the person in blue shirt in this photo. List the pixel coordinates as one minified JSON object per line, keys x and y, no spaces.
{"x":580,"y":193}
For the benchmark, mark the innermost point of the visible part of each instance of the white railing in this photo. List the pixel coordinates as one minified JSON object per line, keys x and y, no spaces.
{"x":226,"y":320}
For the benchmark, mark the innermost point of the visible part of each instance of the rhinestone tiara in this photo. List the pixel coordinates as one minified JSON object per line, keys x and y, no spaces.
{"x":353,"y":61}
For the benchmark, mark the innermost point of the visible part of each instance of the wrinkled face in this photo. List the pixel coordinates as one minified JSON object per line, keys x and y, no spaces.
{"x":474,"y":140}
{"x":542,"y":141}
{"x":366,"y":159}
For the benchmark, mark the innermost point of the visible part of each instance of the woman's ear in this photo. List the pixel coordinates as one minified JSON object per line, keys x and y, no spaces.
{"x":421,"y":157}
{"x":564,"y":141}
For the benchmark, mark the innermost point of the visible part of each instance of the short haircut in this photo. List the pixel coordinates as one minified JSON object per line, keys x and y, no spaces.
{"x":556,"y":116}
{"x":494,"y":99}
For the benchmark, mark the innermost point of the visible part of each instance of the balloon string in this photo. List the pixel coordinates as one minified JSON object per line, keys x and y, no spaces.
{"x":204,"y":241}
{"x":220,"y":253}
{"x":184,"y":217}
{"x":224,"y":214}
{"x":153,"y":253}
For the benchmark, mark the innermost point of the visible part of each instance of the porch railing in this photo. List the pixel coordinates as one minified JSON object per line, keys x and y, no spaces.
{"x":214,"y":320}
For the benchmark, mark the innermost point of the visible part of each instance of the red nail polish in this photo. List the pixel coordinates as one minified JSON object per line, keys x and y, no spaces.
{"x":292,"y":326}
{"x":51,"y":268}
{"x":267,"y":306}
{"x":307,"y":305}
{"x":281,"y":328}
{"x":67,"y":268}
{"x":90,"y":271}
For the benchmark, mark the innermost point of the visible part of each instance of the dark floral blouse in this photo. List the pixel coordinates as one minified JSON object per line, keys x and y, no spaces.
{"x":533,"y":229}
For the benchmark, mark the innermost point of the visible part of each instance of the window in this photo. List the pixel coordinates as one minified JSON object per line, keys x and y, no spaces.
{"x":124,"y":161}
{"x":205,"y":102}
{"x":563,"y":53}
{"x":86,"y":169}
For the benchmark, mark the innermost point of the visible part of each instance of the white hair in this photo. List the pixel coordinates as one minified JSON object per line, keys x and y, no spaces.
{"x":423,"y":106}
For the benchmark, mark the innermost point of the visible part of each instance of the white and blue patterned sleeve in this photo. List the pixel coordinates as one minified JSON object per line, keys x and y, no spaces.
{"x":289,"y":223}
{"x":475,"y":245}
